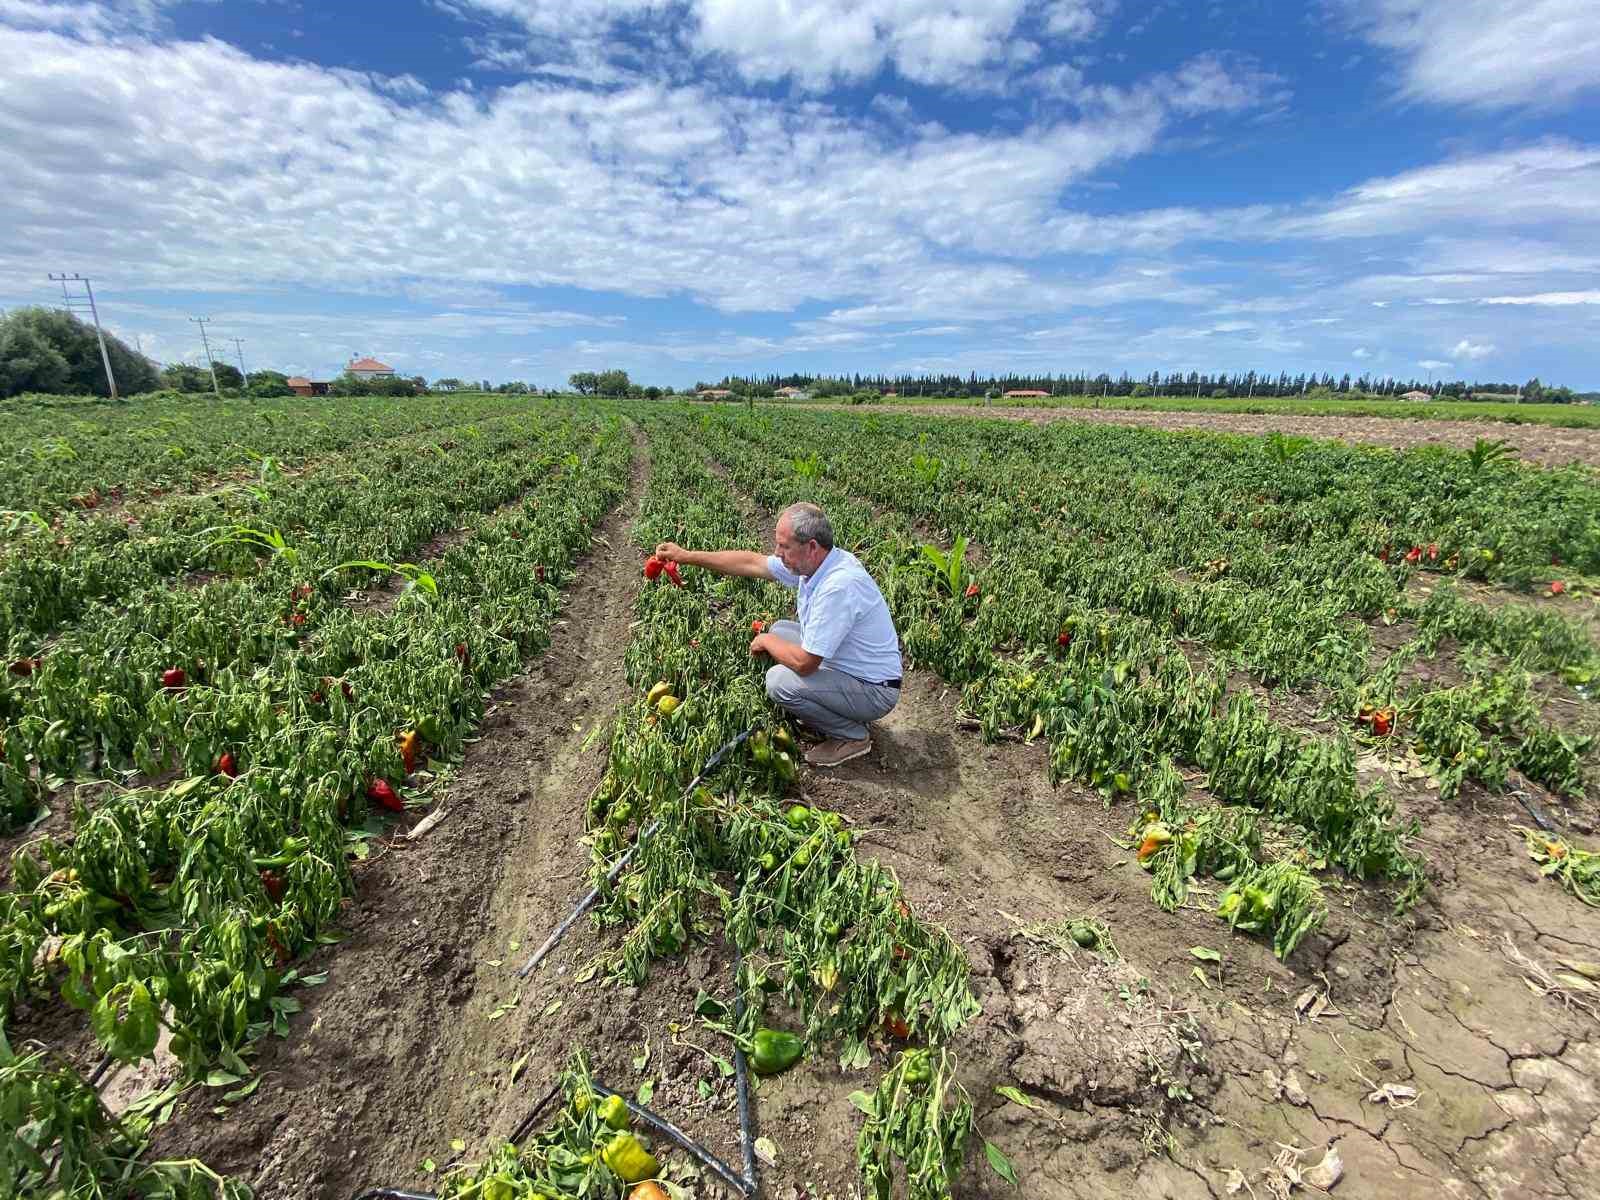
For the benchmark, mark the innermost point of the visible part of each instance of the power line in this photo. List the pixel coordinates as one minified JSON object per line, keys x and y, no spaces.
{"x":206,"y":342}
{"x":237,"y":348}
{"x":74,"y":303}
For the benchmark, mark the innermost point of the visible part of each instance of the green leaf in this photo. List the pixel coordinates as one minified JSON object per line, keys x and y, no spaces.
{"x":1000,"y":1164}
{"x":1205,"y":954}
{"x":647,"y":1089}
{"x":216,"y":1078}
{"x":131,"y":1034}
{"x":458,"y":1145}
{"x":864,"y":1102}
{"x":429,"y":1166}
{"x":242,"y":1092}
{"x":641,"y":1061}
{"x":1016,"y":1097}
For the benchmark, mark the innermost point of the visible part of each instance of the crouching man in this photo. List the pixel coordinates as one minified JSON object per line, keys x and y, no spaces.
{"x":838,"y":667}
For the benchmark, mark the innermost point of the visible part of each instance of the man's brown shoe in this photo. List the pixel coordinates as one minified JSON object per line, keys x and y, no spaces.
{"x":837,"y":751}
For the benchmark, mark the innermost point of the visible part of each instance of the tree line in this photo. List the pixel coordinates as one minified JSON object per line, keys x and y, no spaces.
{"x":1230,"y":385}
{"x":51,"y":351}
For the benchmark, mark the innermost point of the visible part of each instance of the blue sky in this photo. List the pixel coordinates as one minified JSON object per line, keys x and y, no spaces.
{"x":513,"y":189}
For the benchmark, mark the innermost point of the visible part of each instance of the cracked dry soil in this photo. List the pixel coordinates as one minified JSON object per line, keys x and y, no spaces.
{"x":1142,"y":1076}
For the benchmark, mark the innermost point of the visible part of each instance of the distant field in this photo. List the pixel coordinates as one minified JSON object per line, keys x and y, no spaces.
{"x":1573,"y":416}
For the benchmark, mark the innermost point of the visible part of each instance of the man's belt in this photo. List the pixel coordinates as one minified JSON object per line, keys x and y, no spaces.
{"x":894,"y":683}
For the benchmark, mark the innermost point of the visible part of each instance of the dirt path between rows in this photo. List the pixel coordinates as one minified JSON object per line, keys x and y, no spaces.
{"x":1142,"y":1077}
{"x":1145,"y":1076}
{"x":407,"y":1046}
{"x":1542,"y":444}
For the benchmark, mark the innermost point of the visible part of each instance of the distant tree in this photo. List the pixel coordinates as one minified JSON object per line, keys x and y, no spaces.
{"x":612,"y":383}
{"x":1533,"y":391}
{"x":185,"y":377}
{"x":268,"y":383}
{"x":36,"y":343}
{"x":229,"y":376}
{"x":28,"y":362}
{"x":356,"y":385}
{"x":447,"y":384}
{"x":583,"y":382}
{"x":418,"y":382}
{"x":652,"y":393}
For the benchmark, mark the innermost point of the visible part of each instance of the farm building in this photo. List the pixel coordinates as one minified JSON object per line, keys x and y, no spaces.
{"x":369,"y":368}
{"x":1414,"y":395}
{"x":1023,"y":394}
{"x":714,"y":394}
{"x":301,"y":386}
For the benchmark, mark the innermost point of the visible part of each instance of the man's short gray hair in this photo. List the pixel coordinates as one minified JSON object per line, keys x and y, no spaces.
{"x":808,"y":523}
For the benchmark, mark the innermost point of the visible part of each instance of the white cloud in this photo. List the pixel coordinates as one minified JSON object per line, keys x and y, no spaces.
{"x":1552,"y":299}
{"x":815,"y":43}
{"x":1549,"y":185}
{"x":1488,"y":53}
{"x":1433,"y":364}
{"x":86,"y":19}
{"x":1361,"y":352}
{"x":1212,"y":83}
{"x":176,"y":176}
{"x":1076,"y":19}
{"x":1472,"y":351}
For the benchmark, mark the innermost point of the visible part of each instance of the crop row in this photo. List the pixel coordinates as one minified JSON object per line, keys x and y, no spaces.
{"x":55,"y":457}
{"x":184,"y":904}
{"x":83,"y":706}
{"x":381,"y":506}
{"x":1083,"y":649}
{"x":825,"y":936}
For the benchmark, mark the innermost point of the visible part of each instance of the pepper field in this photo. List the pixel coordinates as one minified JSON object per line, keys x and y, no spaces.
{"x":1232,"y":835}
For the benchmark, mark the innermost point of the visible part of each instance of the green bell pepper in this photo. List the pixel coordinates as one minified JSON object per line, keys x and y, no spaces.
{"x":773,"y":1051}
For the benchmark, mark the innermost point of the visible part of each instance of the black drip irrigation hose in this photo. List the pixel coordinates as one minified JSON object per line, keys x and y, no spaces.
{"x":746,"y":1184}
{"x":587,"y":902}
{"x":1539,"y":818}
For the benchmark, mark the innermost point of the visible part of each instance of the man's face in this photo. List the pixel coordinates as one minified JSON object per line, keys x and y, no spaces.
{"x":803,"y":558}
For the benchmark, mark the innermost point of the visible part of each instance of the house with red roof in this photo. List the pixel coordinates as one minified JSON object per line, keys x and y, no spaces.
{"x":369,"y":368}
{"x":301,"y":386}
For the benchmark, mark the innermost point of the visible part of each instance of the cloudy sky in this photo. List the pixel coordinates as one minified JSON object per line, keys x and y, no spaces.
{"x":686,"y":188}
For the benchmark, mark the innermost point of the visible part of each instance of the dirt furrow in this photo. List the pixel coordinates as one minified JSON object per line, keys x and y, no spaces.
{"x":404,"y":1048}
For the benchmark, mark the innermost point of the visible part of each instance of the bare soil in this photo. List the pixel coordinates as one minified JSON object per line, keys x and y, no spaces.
{"x":1543,"y":444}
{"x":1151,"y":1072}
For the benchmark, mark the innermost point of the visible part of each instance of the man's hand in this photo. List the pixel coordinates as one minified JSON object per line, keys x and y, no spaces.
{"x":758,"y":645}
{"x":670,"y":552}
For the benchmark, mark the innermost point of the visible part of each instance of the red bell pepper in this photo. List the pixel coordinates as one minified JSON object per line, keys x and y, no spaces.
{"x":382,"y":794}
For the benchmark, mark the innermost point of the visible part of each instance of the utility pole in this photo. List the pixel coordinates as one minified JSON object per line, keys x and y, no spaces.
{"x":72,"y":303}
{"x":206,"y":342}
{"x":238,"y":349}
